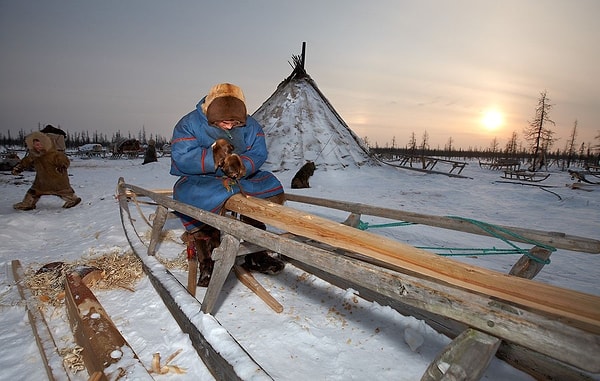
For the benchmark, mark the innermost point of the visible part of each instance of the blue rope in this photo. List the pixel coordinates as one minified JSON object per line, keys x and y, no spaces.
{"x":365,"y":225}
{"x":492,"y":230}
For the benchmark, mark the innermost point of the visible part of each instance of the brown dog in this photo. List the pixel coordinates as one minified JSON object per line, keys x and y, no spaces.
{"x":228,"y":161}
{"x":300,"y":180}
{"x":221,"y":149}
{"x":233,"y":166}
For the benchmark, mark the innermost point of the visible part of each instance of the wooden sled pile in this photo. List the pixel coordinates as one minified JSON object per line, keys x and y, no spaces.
{"x":549,"y":332}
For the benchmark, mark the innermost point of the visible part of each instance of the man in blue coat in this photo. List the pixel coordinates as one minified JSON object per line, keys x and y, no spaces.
{"x":217,"y":151}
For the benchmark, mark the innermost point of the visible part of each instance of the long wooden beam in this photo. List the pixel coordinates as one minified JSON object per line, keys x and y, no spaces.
{"x":556,"y":239}
{"x":576,"y":306}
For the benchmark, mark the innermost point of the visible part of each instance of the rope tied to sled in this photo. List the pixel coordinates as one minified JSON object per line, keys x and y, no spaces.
{"x":491,"y":229}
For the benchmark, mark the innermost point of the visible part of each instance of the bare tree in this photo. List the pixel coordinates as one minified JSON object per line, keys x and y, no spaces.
{"x":570,"y":145}
{"x":537,"y":134}
{"x":511,"y":146}
{"x":449,"y":147}
{"x":494,"y":145}
{"x":425,"y":141}
{"x":412,"y":144}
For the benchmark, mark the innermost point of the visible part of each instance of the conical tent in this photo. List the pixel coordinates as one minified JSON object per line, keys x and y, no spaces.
{"x":301,"y":125}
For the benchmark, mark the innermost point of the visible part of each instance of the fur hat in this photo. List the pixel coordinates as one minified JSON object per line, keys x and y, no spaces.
{"x":43,"y":138}
{"x":225,"y":102}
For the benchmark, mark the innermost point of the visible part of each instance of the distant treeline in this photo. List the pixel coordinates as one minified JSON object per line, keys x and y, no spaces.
{"x":554,"y":157}
{"x":77,"y":139}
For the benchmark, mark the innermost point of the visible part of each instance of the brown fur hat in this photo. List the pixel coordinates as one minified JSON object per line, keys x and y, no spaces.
{"x":43,"y":138}
{"x":225,"y":102}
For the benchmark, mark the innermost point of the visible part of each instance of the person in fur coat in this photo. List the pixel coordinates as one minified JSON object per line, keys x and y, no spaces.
{"x":217,"y":151}
{"x":51,"y":177}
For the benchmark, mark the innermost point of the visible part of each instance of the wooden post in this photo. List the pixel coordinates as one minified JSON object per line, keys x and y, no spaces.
{"x":159,"y":222}
{"x":224,"y":257}
{"x":470,"y":352}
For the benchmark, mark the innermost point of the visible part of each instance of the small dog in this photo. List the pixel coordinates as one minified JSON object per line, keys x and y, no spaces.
{"x":233,"y":167}
{"x":228,"y":161}
{"x":300,"y":180}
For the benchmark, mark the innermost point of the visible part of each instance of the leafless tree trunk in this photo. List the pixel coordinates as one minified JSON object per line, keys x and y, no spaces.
{"x":537,"y":134}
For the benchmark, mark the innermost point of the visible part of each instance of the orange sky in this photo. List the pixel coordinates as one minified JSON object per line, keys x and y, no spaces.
{"x":390,"y":68}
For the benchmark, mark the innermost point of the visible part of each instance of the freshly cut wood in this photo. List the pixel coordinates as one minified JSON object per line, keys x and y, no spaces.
{"x":106,"y":354}
{"x":583,"y":309}
{"x":249,"y":281}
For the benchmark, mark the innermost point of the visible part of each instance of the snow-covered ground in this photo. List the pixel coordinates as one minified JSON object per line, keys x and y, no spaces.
{"x":324,"y":332}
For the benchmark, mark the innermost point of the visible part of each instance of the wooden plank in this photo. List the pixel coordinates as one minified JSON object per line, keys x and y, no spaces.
{"x":465,"y":360}
{"x":224,"y":257}
{"x":106,"y":354}
{"x":249,"y":281}
{"x":579,"y":307}
{"x":43,"y":336}
{"x":556,"y":239}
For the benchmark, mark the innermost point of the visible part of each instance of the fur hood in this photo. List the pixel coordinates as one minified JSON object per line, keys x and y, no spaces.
{"x":225,"y":102}
{"x":43,"y":138}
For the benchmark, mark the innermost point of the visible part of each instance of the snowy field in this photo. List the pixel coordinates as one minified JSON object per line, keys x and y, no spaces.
{"x":324,"y":333}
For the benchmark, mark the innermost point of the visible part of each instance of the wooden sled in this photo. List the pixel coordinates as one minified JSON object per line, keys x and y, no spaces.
{"x":525,"y":176}
{"x":559,"y":326}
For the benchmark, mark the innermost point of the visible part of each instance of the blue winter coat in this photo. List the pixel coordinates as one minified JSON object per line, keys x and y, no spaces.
{"x":192,"y":160}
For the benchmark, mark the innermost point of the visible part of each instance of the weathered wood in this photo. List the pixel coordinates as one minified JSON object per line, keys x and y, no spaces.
{"x":556,"y":239}
{"x":249,"y":281}
{"x":160,"y":217}
{"x":540,"y":366}
{"x":555,"y":336}
{"x":471,"y":352}
{"x":105,"y":351}
{"x":580,"y":307}
{"x":43,"y":337}
{"x":465,"y":360}
{"x":192,"y":277}
{"x":224,"y":257}
{"x":527,"y":267}
{"x":186,"y":309}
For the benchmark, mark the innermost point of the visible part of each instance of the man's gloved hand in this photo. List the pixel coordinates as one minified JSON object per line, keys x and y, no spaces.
{"x":61,"y":169}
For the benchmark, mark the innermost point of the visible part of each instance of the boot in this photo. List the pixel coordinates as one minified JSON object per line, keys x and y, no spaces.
{"x":262,"y":261}
{"x":28,"y":202}
{"x":206,"y":239}
{"x":70,"y":201}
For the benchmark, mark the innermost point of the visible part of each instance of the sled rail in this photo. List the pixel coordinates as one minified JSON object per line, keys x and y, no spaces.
{"x":556,"y":239}
{"x":540,"y":317}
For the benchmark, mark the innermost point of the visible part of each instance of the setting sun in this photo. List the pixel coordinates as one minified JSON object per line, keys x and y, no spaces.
{"x":492,"y":119}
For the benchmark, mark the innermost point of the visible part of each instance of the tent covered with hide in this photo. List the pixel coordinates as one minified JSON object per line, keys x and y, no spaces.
{"x":301,"y":126}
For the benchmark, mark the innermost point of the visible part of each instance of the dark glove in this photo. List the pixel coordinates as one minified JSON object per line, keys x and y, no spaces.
{"x":61,"y":169}
{"x":17,"y":169}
